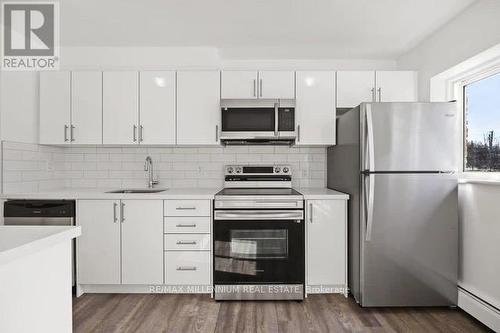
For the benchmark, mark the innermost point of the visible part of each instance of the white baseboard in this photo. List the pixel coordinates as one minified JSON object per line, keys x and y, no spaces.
{"x":482,"y":311}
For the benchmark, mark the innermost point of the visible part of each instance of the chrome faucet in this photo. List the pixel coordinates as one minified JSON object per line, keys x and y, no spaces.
{"x":148,"y":166}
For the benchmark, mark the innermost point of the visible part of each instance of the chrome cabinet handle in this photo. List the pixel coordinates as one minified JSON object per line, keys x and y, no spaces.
{"x":135,"y":133}
{"x":141,"y":133}
{"x":216,"y":133}
{"x":71,"y":133}
{"x":186,"y":268}
{"x":298,"y":133}
{"x":66,"y":133}
{"x":374,"y":99}
{"x":260,"y":87}
{"x":310,"y":212}
{"x":254,"y":88}
{"x":115,"y":217}
{"x":186,"y":225}
{"x":379,"y":94}
{"x":122,"y":212}
{"x":185,"y":208}
{"x":186,"y":243}
{"x":276,"y":118}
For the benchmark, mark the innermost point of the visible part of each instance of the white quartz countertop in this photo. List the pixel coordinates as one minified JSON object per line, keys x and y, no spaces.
{"x":322,"y":193}
{"x":171,"y":193}
{"x":19,"y":241}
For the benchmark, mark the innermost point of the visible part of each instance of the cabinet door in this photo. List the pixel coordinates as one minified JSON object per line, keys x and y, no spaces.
{"x":277,"y":84}
{"x":315,"y":108}
{"x":120,"y":107}
{"x":157,"y":107}
{"x":396,"y":86}
{"x":142,"y":241}
{"x":239,"y":84}
{"x":98,"y":249}
{"x":198,"y":107}
{"x":326,"y":243}
{"x":86,"y":107}
{"x":55,"y":97}
{"x":354,"y":88}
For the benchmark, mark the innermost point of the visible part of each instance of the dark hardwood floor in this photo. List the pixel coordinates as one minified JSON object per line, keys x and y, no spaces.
{"x":199,"y":313}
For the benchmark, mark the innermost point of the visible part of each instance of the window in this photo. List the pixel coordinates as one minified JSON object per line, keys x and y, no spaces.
{"x":482,"y":125}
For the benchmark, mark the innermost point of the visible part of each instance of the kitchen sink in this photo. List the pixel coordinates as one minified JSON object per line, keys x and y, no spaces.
{"x":139,"y":190}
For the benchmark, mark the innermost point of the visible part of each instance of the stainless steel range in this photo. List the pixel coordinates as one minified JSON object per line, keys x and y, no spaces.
{"x":258,"y":235}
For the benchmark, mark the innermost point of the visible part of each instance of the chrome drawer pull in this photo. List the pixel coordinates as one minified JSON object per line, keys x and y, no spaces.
{"x":186,"y":268}
{"x":186,"y":225}
{"x":185,"y":208}
{"x":186,"y":243}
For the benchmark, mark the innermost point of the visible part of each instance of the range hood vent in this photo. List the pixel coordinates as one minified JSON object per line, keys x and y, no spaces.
{"x":257,"y":142}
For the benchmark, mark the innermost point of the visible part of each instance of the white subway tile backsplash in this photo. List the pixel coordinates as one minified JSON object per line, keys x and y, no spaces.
{"x":33,"y":167}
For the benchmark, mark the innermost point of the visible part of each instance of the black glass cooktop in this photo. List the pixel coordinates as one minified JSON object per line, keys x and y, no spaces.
{"x":258,"y":191}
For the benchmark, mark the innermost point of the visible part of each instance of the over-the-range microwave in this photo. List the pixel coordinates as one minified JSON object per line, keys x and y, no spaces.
{"x":264,"y":121}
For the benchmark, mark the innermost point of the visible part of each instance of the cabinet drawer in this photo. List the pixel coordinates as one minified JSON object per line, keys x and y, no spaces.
{"x":187,"y":207}
{"x":182,"y":242}
{"x":187,"y":268}
{"x":186,"y":225}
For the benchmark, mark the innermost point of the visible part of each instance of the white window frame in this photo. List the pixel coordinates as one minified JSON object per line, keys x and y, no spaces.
{"x":459,"y":94}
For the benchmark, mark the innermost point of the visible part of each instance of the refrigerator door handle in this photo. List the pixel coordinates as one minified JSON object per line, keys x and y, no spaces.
{"x":369,"y":213}
{"x":369,"y":139}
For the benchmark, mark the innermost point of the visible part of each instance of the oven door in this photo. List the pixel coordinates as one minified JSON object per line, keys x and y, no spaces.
{"x":258,"y":247}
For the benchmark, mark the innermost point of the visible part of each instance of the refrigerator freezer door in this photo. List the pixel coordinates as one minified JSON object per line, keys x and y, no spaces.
{"x":410,"y":136}
{"x":409,"y":248}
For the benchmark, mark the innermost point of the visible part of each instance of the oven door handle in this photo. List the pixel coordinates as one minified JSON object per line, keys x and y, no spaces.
{"x":258,"y":215}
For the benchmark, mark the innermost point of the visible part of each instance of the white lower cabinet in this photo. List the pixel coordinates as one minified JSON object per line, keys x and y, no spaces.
{"x":326,"y":230}
{"x":121,"y":243}
{"x":187,"y":243}
{"x":98,"y":248}
{"x":187,"y":268}
{"x":142,"y":241}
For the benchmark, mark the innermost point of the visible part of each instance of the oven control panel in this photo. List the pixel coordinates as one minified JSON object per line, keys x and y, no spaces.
{"x":278,"y":169}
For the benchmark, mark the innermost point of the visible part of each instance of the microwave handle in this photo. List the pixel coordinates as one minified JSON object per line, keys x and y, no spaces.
{"x":276,"y":119}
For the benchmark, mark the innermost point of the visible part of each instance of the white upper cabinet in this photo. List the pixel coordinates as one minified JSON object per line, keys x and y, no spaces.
{"x":315,"y":108}
{"x":198,"y":107}
{"x":276,"y":84}
{"x":354,"y":88}
{"x":239,"y":84}
{"x":142,"y":241}
{"x":120,"y":107}
{"x":253,"y":84}
{"x":55,"y":107}
{"x":396,"y":86}
{"x":157,"y":107}
{"x":86,"y":108}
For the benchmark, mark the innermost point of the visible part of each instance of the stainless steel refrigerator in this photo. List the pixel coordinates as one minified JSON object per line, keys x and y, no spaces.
{"x":398,"y":161}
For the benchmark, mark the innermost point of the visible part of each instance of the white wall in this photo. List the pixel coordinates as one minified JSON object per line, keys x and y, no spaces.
{"x":476,"y":29}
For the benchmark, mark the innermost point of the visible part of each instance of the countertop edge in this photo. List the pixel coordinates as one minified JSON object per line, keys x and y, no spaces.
{"x":179,"y":194}
{"x":39,"y":244}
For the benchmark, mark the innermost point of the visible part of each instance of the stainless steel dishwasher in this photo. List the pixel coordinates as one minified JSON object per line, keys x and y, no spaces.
{"x":42,"y":213}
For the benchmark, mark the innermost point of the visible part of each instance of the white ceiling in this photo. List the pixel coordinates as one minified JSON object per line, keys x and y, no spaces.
{"x":260,"y":28}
